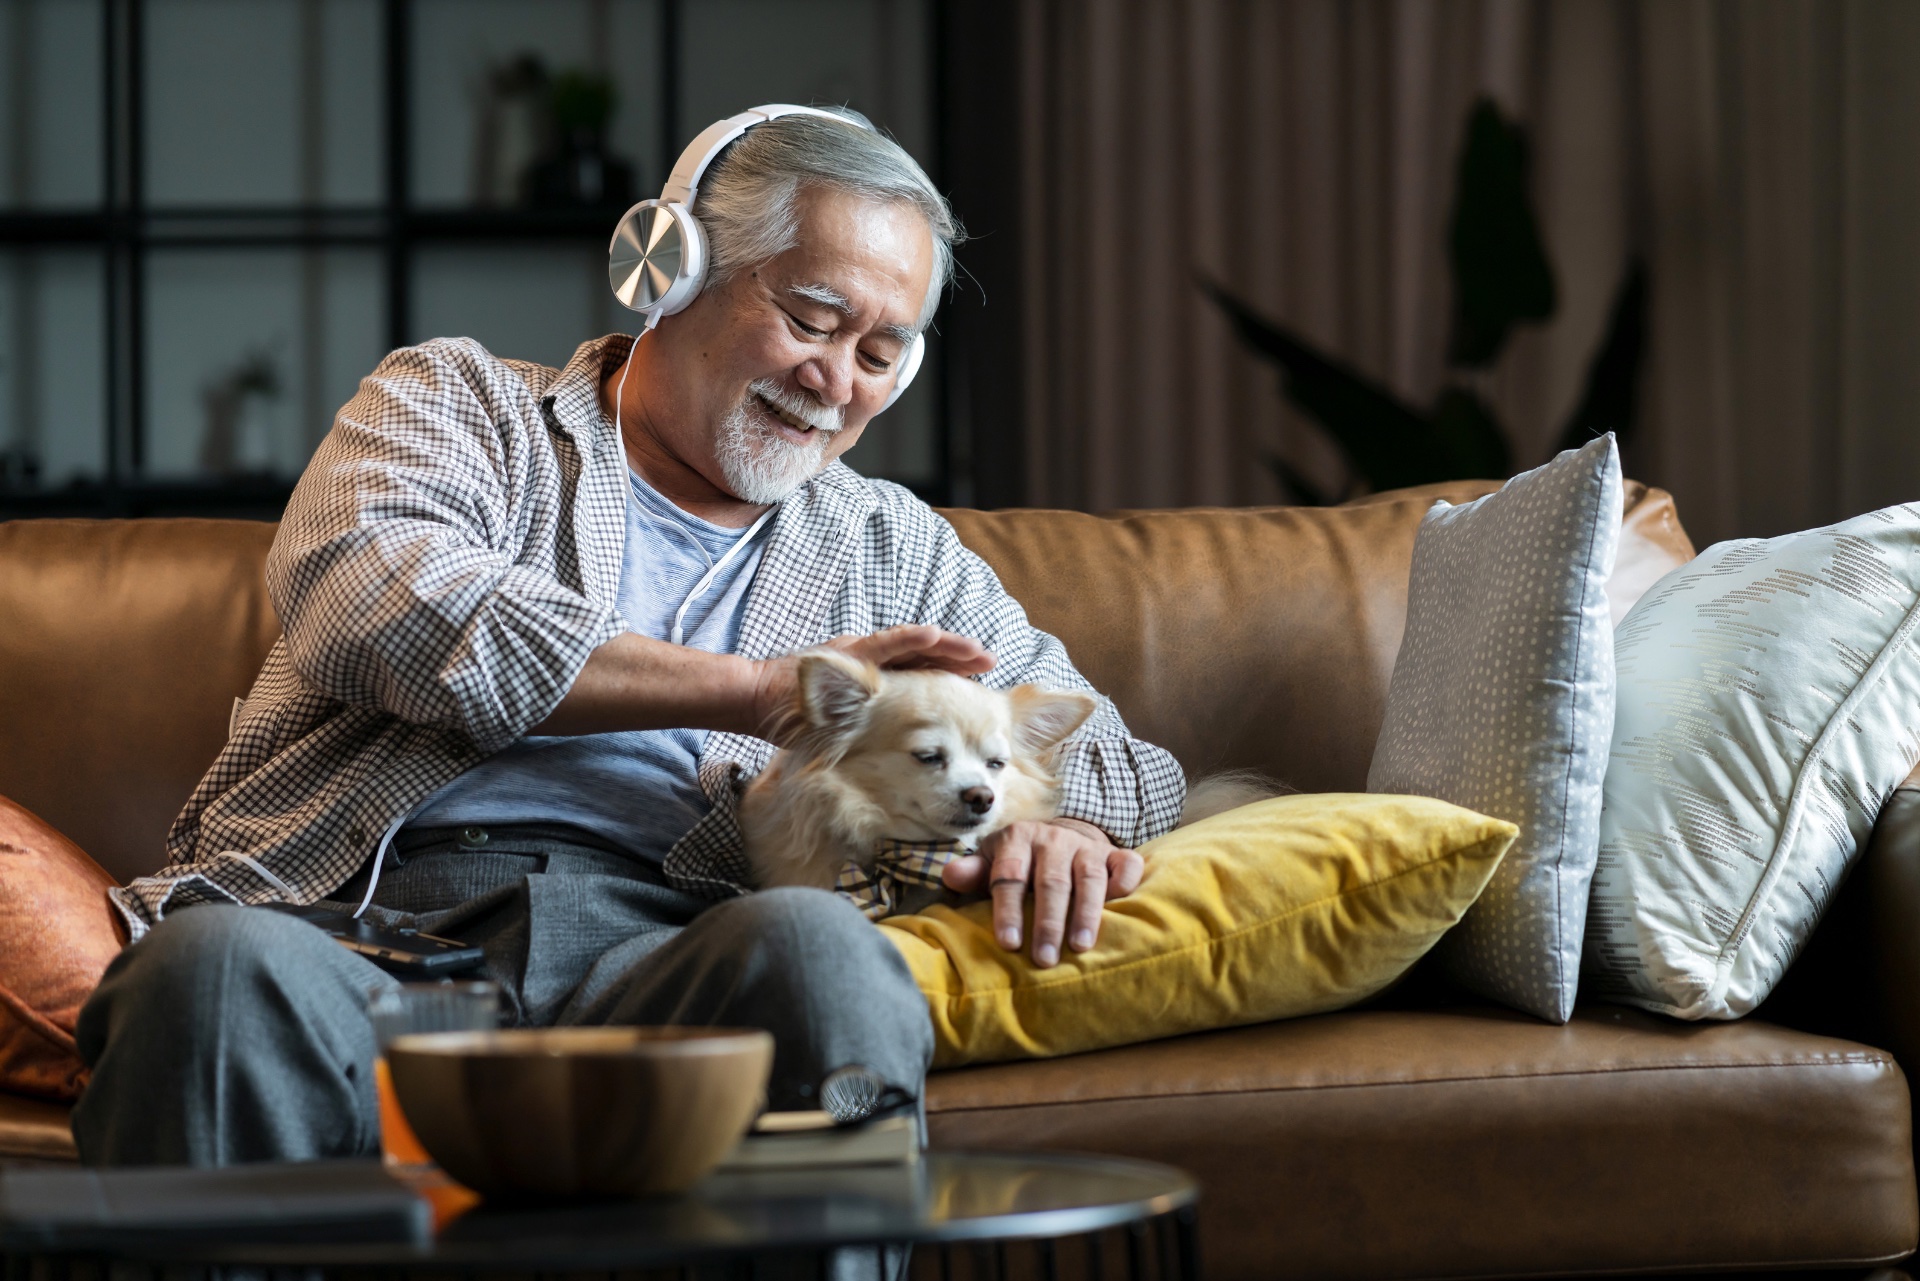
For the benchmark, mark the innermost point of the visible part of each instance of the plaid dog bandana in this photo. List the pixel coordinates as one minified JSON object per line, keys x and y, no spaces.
{"x":896,"y":866}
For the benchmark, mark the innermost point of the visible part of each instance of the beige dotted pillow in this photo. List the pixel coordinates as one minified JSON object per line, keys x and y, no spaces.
{"x":1502,"y":702}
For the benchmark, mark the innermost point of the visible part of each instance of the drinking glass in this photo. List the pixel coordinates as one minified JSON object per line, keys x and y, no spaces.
{"x":420,"y":1007}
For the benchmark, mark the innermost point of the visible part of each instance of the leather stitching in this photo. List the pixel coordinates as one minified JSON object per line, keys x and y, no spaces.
{"x":1836,"y":1061}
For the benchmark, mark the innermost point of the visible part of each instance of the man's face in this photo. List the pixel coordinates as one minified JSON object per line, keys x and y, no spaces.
{"x":785,"y":364}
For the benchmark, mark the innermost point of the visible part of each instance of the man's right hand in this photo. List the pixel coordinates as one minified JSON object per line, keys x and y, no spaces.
{"x":912,"y":645}
{"x":634,"y":682}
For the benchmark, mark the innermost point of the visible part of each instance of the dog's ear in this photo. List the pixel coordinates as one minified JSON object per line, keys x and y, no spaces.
{"x":835,"y":691}
{"x":1042,"y":718}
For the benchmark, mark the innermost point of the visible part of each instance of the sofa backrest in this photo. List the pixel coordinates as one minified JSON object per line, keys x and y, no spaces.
{"x":1254,"y":638}
{"x":123,"y":644}
{"x":1246,"y":639}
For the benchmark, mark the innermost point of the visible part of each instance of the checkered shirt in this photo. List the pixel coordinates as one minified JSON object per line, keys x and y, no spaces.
{"x":897,"y":865}
{"x":446,"y":564}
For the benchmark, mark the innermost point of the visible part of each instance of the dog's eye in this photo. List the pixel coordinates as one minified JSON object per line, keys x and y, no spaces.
{"x":931,"y":758}
{"x":996,"y":763}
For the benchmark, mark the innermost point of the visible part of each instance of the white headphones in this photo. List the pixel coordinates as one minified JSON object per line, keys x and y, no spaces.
{"x":658,"y":258}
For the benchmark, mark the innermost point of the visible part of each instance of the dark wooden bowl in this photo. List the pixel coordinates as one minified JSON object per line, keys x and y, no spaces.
{"x":581,"y":1111}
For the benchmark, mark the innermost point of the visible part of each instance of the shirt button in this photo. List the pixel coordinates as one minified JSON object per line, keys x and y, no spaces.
{"x":473,"y":837}
{"x":357,"y":834}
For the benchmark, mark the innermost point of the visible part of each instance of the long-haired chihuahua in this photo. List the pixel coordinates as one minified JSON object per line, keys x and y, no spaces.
{"x":877,"y":756}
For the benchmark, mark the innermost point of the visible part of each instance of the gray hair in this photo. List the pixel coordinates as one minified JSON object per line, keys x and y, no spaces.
{"x":746,"y":198}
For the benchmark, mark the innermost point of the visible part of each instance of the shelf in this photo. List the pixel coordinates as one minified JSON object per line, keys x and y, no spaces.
{"x":52,"y":228}
{"x":512,"y":224}
{"x":263,"y":227}
{"x":384,"y":241}
{"x":245,"y":498}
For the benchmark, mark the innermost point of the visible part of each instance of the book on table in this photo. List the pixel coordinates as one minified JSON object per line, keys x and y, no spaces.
{"x":792,"y":1140}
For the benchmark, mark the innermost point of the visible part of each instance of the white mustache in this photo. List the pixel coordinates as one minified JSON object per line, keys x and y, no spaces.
{"x":823,"y":418}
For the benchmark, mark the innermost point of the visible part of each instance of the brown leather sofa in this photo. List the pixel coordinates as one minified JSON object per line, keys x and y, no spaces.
{"x":1423,"y":1136}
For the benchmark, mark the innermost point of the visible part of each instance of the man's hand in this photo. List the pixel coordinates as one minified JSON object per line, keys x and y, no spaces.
{"x":1073,"y":868}
{"x":635,"y":682}
{"x":913,"y":645}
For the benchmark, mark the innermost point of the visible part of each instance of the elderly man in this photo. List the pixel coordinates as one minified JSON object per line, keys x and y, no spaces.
{"x":538,"y":626}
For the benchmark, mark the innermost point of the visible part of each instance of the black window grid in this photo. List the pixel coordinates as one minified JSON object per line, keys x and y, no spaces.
{"x":126,"y":228}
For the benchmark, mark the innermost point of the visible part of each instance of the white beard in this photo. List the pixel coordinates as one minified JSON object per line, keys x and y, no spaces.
{"x":761,"y":465}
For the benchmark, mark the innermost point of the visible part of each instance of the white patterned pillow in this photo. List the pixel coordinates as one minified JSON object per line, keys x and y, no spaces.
{"x":1502,"y":702}
{"x":1769,"y":695}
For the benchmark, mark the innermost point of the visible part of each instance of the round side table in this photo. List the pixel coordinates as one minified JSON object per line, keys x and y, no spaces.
{"x":959,"y":1209}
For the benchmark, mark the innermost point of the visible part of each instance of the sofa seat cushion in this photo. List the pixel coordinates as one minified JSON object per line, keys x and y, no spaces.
{"x":34,"y":1130}
{"x":1438,"y":1143}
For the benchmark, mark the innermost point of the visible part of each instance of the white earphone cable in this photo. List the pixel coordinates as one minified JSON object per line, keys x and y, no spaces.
{"x":676,"y":635}
{"x":379,"y":858}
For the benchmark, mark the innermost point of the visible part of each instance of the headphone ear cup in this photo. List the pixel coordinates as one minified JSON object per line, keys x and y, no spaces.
{"x":909,"y":366}
{"x":657,"y":258}
{"x":693,"y":275}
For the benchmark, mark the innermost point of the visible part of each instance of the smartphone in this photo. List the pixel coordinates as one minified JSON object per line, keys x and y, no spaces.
{"x":406,"y":953}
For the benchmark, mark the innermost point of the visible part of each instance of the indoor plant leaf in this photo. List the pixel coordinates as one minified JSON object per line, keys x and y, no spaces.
{"x":1500,"y":271}
{"x":1385,"y":440}
{"x":1303,"y":491}
{"x":1613,"y":377}
{"x":1471,"y":435}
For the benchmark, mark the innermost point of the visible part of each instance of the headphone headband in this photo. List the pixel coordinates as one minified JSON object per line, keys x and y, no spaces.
{"x":684,"y":184}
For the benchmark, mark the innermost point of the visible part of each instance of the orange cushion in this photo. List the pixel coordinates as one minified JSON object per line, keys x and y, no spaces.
{"x":57,"y":933}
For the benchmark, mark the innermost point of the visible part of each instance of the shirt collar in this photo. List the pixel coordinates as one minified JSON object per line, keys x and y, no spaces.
{"x":572,"y":401}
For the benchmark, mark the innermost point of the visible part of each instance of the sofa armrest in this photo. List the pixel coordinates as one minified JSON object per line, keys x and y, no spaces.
{"x":1858,"y":978}
{"x":33,"y":1130}
{"x":1891,"y":869}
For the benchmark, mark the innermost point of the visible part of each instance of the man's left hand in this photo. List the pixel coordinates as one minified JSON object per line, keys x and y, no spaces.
{"x":1073,"y":869}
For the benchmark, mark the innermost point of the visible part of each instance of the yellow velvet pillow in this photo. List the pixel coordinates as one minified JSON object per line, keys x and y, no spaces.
{"x":1291,"y":906}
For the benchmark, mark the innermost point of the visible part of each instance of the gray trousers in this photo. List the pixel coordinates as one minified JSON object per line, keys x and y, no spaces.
{"x":232,"y":1034}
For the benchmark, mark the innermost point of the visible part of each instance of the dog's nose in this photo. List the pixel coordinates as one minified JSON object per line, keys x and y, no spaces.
{"x":978,"y":799}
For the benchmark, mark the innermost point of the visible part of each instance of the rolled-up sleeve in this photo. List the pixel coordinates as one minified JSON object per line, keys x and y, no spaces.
{"x":397,"y":572}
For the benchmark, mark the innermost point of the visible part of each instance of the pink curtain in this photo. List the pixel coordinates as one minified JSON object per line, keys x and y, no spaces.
{"x":1759,"y":154}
